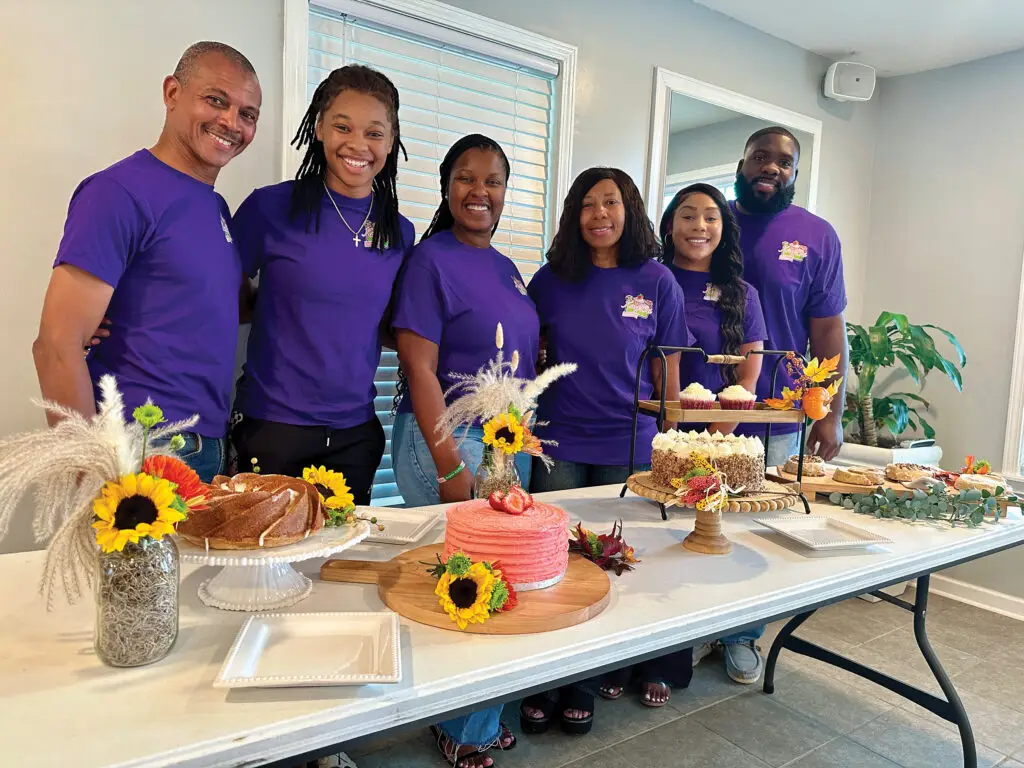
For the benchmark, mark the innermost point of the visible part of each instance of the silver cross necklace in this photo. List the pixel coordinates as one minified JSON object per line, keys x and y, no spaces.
{"x":355,"y":232}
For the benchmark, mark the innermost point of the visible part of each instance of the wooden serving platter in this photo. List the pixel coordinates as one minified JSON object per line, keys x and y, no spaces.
{"x":407,"y":588}
{"x":776,"y":495}
{"x":823,"y":486}
{"x":759,"y":414}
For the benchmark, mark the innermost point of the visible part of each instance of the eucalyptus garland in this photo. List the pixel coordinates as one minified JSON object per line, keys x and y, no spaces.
{"x":967,"y":506}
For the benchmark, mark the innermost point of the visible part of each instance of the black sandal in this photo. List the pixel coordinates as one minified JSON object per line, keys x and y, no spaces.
{"x":536,"y":725}
{"x":506,"y":733}
{"x":452,"y":755}
{"x":604,"y":692}
{"x":576,"y":698}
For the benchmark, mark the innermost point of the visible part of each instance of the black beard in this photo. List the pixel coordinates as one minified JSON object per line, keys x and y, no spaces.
{"x":751,"y":203}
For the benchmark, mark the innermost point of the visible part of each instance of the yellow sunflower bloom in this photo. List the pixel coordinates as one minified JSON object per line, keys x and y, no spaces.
{"x":504,"y":433}
{"x":466,"y":598}
{"x":134,"y":507}
{"x":334,"y":491}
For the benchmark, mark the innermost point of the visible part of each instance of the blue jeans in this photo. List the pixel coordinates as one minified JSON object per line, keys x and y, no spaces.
{"x":206,"y":455}
{"x":746,"y":636}
{"x":414,"y":468}
{"x":566,"y":475}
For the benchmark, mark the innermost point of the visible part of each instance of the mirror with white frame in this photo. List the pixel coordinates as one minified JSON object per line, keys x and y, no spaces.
{"x":698,"y":135}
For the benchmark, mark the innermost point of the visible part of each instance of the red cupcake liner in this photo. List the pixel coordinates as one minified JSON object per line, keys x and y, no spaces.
{"x":695,"y":404}
{"x":729,"y":404}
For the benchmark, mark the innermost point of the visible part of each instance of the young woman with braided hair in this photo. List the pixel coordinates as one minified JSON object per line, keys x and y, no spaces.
{"x":327,"y":247}
{"x":454,"y":290}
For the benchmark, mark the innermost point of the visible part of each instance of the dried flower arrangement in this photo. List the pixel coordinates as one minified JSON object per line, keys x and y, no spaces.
{"x":814,"y":399}
{"x":101,"y":482}
{"x":607,"y":550}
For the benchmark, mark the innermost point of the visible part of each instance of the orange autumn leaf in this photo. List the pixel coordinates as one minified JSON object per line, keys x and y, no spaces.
{"x":819,"y":372}
{"x":787,"y":402}
{"x":833,"y":388}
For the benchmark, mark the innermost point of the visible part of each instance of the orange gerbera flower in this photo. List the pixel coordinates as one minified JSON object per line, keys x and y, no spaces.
{"x":188,"y":485}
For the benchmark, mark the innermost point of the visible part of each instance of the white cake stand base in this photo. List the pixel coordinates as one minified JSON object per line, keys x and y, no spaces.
{"x":264,"y":579}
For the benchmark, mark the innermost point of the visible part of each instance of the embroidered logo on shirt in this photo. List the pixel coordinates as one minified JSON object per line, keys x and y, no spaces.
{"x":519,"y":285}
{"x":227,"y":232}
{"x":794,"y":251}
{"x":637,"y":306}
{"x":712,"y":292}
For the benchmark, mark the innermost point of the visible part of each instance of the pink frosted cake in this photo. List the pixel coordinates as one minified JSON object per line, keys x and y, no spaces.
{"x":533,"y":547}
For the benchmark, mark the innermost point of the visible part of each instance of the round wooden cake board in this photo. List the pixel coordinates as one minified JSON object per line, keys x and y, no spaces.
{"x":707,"y":537}
{"x":407,"y":588}
{"x":773,"y":498}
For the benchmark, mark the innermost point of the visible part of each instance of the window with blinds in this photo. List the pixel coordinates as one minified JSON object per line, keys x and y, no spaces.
{"x":446,"y":91}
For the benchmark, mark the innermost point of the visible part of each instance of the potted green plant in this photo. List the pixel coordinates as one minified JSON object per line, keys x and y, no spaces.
{"x":880,"y":420}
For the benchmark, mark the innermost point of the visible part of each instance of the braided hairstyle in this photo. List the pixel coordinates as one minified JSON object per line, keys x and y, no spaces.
{"x":443,"y":218}
{"x":726,"y":269}
{"x":308,"y":191}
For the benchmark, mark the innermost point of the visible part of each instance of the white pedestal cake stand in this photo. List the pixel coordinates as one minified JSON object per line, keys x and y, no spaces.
{"x":263,"y":579}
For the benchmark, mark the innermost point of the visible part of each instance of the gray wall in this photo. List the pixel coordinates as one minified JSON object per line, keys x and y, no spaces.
{"x":946,"y":245}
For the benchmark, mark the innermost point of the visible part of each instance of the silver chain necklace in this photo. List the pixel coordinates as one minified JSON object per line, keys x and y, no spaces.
{"x":355,"y":232}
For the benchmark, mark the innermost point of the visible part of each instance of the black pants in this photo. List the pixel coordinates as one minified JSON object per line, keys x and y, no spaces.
{"x":286,"y":449}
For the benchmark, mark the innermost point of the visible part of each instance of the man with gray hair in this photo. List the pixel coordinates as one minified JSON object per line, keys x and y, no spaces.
{"x":146,"y":244}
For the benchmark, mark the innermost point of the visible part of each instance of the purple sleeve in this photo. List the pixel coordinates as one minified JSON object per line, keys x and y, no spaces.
{"x":671,"y":330}
{"x":421,"y":306}
{"x":754,"y":328}
{"x":104,"y":229}
{"x":828,"y":291}
{"x":248,"y":228}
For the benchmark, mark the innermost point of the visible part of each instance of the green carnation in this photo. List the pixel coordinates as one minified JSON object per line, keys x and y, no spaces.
{"x":177,"y":443}
{"x":596,"y":547}
{"x":499,"y":596}
{"x":148,"y":415}
{"x":458,"y":564}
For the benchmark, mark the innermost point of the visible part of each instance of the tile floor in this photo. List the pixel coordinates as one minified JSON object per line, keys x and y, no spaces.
{"x":819,"y":717}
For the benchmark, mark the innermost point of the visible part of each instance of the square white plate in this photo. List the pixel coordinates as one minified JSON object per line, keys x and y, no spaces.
{"x":401,"y":526}
{"x":290,"y":650}
{"x":822,"y":534}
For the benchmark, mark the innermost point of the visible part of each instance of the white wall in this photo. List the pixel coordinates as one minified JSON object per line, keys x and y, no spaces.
{"x":81,"y":89}
{"x":946,"y":245}
{"x":67,"y":117}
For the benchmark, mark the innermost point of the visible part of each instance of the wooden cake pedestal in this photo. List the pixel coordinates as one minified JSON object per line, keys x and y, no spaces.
{"x":407,"y":588}
{"x":707,"y":537}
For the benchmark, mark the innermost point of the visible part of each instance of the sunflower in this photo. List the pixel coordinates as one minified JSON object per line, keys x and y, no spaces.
{"x":467,"y":598}
{"x":186,"y":482}
{"x":504,"y":433}
{"x":134,"y":507}
{"x":334,"y":491}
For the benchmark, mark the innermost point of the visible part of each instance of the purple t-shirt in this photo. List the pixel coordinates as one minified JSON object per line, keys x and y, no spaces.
{"x":795,"y":261}
{"x":314,"y":345}
{"x":704,"y":319}
{"x":603,"y":323}
{"x":160,"y":238}
{"x":455,"y":295}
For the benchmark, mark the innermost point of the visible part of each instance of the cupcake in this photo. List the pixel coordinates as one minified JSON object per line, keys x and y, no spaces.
{"x":697,"y":397}
{"x":737,"y":398}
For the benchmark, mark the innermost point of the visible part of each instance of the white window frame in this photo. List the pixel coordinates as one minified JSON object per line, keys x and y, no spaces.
{"x":1012,"y":448}
{"x":701,"y":174}
{"x":667,"y":82}
{"x":434,"y":20}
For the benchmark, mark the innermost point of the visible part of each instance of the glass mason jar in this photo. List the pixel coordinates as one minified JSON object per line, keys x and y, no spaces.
{"x":137,"y":603}
{"x":497,"y":472}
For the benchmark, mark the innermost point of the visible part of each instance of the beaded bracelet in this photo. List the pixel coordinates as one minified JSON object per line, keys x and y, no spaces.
{"x":453,"y":473}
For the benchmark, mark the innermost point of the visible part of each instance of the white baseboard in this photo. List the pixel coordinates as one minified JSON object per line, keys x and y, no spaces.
{"x":980,"y":597}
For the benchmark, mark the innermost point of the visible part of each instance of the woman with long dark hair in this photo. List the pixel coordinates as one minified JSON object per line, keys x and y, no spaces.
{"x":453,"y":291}
{"x":327,"y":247}
{"x":700,"y":244}
{"x":603,"y":298}
{"x":452,"y":294}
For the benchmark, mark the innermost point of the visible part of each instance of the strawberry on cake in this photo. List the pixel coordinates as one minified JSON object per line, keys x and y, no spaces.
{"x":529,"y":539}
